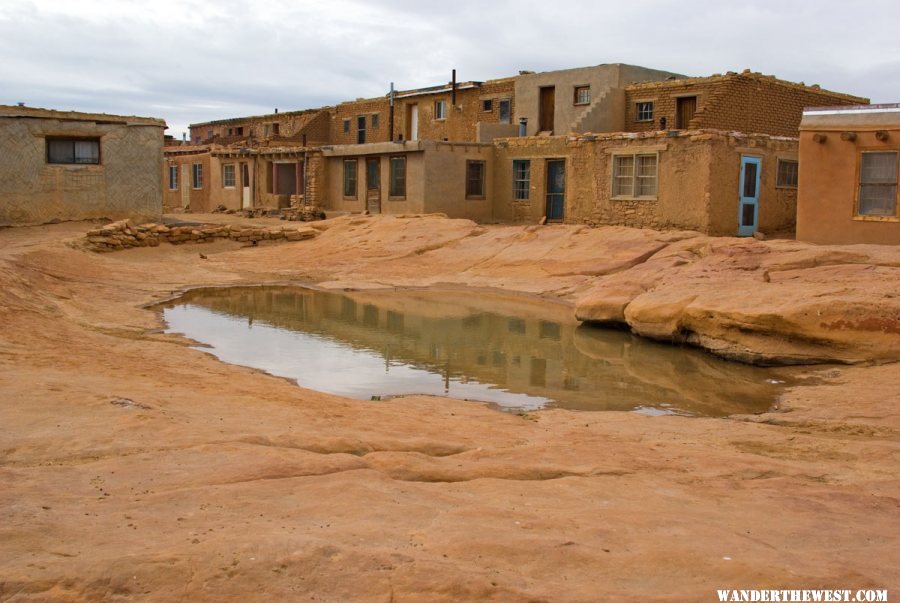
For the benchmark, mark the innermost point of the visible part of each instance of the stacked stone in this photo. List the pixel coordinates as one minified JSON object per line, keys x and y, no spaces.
{"x":124,"y":234}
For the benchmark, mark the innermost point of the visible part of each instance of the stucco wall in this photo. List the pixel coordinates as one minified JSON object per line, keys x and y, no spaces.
{"x":445,"y":179}
{"x":185,"y":196}
{"x":829,"y":180}
{"x":125,"y":184}
{"x":412,"y":202}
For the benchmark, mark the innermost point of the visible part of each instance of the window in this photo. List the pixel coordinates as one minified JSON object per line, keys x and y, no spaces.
{"x":346,"y":126}
{"x":878,"y":184}
{"x":375,"y":121}
{"x":644,"y":111}
{"x":634,"y":175}
{"x":521,"y":179}
{"x":787,"y":174}
{"x":474,"y":179}
{"x":197,"y":175}
{"x":240,"y":131}
{"x":77,"y":151}
{"x":231,"y":131}
{"x":228,"y":175}
{"x":487,"y":105}
{"x":440,"y":109}
{"x":276,"y":128}
{"x":582,"y":95}
{"x":209,"y":133}
{"x":398,"y":177}
{"x":360,"y":129}
{"x":173,"y":177}
{"x":350,"y":177}
{"x":504,"y":110}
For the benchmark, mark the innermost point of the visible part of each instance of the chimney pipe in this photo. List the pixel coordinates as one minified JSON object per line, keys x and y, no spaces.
{"x":453,"y":89}
{"x":523,"y":126}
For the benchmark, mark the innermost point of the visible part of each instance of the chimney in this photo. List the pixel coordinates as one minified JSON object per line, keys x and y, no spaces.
{"x":523,"y":126}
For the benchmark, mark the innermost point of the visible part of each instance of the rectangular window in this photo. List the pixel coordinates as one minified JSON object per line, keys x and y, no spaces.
{"x":228,"y":175}
{"x":173,"y":177}
{"x":346,"y":126}
{"x":360,"y":129}
{"x":398,"y":177}
{"x":787,"y":174}
{"x":77,"y":151}
{"x":634,"y":176}
{"x":240,"y":131}
{"x":440,"y":109}
{"x":276,"y":128}
{"x":197,"y":175}
{"x":474,"y":180}
{"x":521,"y":179}
{"x":582,"y":95}
{"x":375,"y":121}
{"x":878,"y":184}
{"x":487,"y":105}
{"x":644,"y":111}
{"x":350,"y":166}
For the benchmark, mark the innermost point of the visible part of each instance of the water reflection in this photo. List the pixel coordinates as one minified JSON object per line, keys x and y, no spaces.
{"x":514,"y":352}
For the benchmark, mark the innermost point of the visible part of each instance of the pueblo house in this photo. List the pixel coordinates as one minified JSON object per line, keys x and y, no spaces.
{"x":609,"y":144}
{"x":65,"y":165}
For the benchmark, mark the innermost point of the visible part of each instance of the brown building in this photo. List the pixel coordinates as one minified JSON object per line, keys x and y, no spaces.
{"x":65,"y":165}
{"x":849,"y":175}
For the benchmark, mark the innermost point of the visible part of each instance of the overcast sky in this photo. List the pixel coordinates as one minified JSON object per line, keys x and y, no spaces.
{"x":197,"y":60}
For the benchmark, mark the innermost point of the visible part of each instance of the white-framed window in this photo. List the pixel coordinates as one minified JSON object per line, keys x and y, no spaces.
{"x":582,"y":95}
{"x":440,"y":109}
{"x":228,"y":175}
{"x":635,"y":176}
{"x":197,"y":175}
{"x":787,"y":174}
{"x":878,"y":179}
{"x":73,"y":150}
{"x":644,"y":111}
{"x":173,"y":177}
{"x":521,"y":179}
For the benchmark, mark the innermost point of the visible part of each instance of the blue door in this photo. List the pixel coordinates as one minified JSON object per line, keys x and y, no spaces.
{"x":556,"y":189}
{"x":748,"y":208}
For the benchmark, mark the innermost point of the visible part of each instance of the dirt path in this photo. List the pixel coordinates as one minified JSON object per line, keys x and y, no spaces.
{"x":135,"y":468}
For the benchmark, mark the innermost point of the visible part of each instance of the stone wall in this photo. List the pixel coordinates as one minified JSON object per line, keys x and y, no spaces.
{"x":125,"y":182}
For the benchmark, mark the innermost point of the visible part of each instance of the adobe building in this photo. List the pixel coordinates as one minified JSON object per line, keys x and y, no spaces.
{"x":849,"y":175}
{"x":65,"y":165}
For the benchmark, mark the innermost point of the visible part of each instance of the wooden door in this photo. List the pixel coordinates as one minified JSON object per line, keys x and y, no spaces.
{"x":686,"y":107}
{"x":546,"y":107}
{"x":373,"y":185}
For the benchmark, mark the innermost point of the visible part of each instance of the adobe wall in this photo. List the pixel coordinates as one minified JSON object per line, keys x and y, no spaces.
{"x":125,"y":184}
{"x":829,"y":177}
{"x":445,"y":174}
{"x":292,"y":125}
{"x":746,"y":102}
{"x":538,"y":150}
{"x":351,"y":111}
{"x":186,"y":197}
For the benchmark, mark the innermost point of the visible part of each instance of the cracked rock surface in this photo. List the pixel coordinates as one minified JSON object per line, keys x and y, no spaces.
{"x":133,"y":467}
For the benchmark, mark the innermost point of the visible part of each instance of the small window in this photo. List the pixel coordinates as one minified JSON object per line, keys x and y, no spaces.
{"x":878,"y":184}
{"x":582,"y":95}
{"x":487,"y":105}
{"x":787,"y":174}
{"x":209,"y":133}
{"x":350,"y":177}
{"x":375,"y":121}
{"x":228,"y":175}
{"x":231,"y":131}
{"x":634,"y":176}
{"x":77,"y":151}
{"x":398,"y":177}
{"x":644,"y":111}
{"x":240,"y":131}
{"x":440,"y":109}
{"x":197,"y":175}
{"x":346,"y":126}
{"x":474,"y":180}
{"x":360,"y":129}
{"x":521,"y":179}
{"x":173,"y":177}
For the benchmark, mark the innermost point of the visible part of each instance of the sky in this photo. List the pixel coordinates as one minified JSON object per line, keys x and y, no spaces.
{"x":190,"y":61}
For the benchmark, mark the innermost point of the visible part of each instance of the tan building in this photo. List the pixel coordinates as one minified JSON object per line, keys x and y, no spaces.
{"x":64,"y":165}
{"x":849,"y":175}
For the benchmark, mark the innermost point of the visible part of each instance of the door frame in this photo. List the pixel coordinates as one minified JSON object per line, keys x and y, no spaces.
{"x":373,"y":194}
{"x":746,"y":201}
{"x":246,"y":198}
{"x":549,"y":196}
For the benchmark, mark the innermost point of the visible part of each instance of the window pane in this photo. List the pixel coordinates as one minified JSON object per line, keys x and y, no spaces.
{"x":475,"y":179}
{"x":749,"y":180}
{"x":398,"y":177}
{"x":787,"y":174}
{"x":878,"y":168}
{"x":623,"y":176}
{"x":60,"y":151}
{"x":521,"y":178}
{"x":646,"y":176}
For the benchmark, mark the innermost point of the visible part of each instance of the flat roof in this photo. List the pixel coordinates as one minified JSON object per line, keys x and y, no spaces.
{"x":14,"y":111}
{"x":853,"y":109}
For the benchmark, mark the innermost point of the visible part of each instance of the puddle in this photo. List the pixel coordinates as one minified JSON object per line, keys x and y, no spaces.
{"x":514,"y":352}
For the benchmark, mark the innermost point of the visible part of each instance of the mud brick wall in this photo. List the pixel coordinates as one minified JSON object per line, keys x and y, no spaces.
{"x":292,"y":125}
{"x":350,"y":111}
{"x":745,"y":102}
{"x":185,"y":197}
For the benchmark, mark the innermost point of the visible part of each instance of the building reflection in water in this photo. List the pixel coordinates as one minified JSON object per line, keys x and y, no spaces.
{"x":518,"y":353}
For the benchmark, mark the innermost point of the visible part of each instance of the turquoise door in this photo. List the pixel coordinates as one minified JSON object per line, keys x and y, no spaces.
{"x":748,"y":208}
{"x":556,"y":190}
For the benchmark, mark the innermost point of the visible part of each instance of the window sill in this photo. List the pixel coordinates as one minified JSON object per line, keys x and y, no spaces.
{"x":581,"y":104}
{"x":474,"y":197}
{"x":231,"y":188}
{"x":397,"y":198}
{"x":630,"y":198}
{"x":521,"y":200}
{"x":644,"y":121}
{"x":877,"y":218}
{"x":786,"y":188}
{"x":439,"y":119}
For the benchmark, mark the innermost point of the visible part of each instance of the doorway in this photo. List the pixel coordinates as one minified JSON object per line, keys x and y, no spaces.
{"x":412,"y":122}
{"x":546,"y":108}
{"x":685,"y":108}
{"x":556,"y":190}
{"x":748,"y":207}
{"x":245,"y":185}
{"x":373,"y":185}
